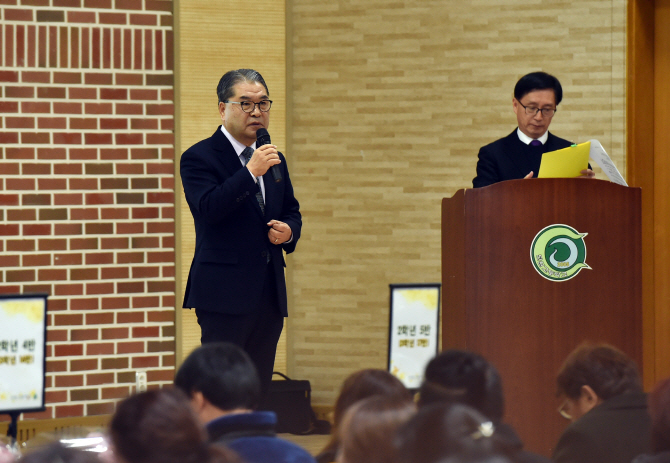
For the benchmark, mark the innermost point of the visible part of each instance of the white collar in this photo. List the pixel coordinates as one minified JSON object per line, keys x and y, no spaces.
{"x":237,"y":146}
{"x":526,"y":139}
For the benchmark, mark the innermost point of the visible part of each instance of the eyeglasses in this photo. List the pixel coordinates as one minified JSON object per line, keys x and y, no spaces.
{"x":546,"y":112}
{"x":250,"y":106}
{"x":561,"y":409}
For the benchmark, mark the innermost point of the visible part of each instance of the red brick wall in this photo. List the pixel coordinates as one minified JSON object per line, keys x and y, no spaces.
{"x":87,"y":189}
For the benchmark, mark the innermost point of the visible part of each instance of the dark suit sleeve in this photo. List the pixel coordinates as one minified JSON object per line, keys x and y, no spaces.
{"x":211,"y":197}
{"x":290,"y":213}
{"x":574,"y":447}
{"x":487,"y":169}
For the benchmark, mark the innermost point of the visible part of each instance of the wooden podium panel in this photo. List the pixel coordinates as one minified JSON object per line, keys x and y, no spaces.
{"x":496,"y":303}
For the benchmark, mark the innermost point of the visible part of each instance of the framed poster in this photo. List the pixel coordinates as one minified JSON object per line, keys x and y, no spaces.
{"x":414,"y":330}
{"x":22,"y":352}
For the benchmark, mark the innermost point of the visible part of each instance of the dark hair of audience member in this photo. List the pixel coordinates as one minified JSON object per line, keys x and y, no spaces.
{"x":57,"y":453}
{"x":476,"y":457}
{"x":358,"y":386}
{"x":368,"y":429}
{"x":457,"y":376}
{"x":439,"y":431}
{"x":659,"y":409}
{"x":223,"y":373}
{"x":538,"y":81}
{"x":160,"y":426}
{"x":607,"y":370}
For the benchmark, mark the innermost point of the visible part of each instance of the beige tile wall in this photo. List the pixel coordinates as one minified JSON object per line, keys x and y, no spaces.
{"x":389,"y":102}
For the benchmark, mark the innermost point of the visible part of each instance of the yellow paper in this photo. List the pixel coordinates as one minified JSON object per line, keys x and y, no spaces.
{"x":565,"y":163}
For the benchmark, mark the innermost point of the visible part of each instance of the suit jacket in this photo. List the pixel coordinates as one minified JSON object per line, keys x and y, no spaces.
{"x":509,"y":158}
{"x":231,"y":243}
{"x":615,"y":431}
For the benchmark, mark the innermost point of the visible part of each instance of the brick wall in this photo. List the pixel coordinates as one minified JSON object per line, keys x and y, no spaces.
{"x":87,"y":190}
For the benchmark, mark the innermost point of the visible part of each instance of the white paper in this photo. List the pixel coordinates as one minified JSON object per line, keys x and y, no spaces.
{"x":599,"y":156}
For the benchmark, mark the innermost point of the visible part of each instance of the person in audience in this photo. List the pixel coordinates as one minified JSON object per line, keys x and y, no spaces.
{"x":368,"y":429}
{"x":476,"y":458}
{"x":602,"y":397}
{"x":659,"y":409}
{"x":159,"y":426}
{"x":444,"y":430}
{"x":224,"y":389}
{"x":462,"y":377}
{"x":56,"y":452}
{"x":358,"y":386}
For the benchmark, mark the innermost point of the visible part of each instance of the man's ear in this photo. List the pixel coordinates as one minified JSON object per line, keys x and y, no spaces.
{"x":222,"y":108}
{"x":198,"y":401}
{"x":589,"y":396}
{"x":515,"y":105}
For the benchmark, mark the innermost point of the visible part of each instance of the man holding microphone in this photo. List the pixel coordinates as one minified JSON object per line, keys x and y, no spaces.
{"x":245,"y":215}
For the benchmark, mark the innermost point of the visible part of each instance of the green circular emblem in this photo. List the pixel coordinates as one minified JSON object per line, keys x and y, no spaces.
{"x":558,"y":252}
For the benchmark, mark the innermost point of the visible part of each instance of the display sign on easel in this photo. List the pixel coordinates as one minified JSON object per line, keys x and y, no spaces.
{"x":414,"y":330}
{"x":22,"y":354}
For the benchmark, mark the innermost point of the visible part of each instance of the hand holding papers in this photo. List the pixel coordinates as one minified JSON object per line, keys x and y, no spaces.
{"x":569,"y":162}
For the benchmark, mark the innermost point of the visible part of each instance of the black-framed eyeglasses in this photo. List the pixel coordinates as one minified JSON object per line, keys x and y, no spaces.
{"x":250,"y":106}
{"x":546,"y":112}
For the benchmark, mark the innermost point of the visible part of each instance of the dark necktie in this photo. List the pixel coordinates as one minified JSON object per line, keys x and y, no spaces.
{"x":536,"y":143}
{"x":246,"y":154}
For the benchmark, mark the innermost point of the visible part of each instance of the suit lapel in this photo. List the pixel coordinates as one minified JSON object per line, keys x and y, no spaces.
{"x":230,"y":163}
{"x":517,"y":155}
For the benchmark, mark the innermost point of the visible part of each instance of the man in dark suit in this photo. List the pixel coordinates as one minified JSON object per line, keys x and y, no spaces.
{"x":244,"y":219}
{"x":518,"y":155}
{"x":603,"y":398}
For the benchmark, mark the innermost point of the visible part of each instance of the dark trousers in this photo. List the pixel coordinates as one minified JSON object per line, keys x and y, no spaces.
{"x":256,"y":332}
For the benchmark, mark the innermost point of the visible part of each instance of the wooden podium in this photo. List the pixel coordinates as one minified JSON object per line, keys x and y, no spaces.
{"x":496,"y":303}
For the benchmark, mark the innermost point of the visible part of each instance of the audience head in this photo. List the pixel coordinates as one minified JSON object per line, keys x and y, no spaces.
{"x":159,"y":426}
{"x":367,"y":383}
{"x":358,"y":386}
{"x":659,"y":409}
{"x":441,"y":430}
{"x":222,"y":374}
{"x":476,"y":457}
{"x":538,"y":81}
{"x":593,"y":373}
{"x":57,"y":453}
{"x":456,"y":376}
{"x":368,"y":429}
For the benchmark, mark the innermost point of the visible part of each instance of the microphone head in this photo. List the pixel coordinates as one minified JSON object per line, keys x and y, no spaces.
{"x":262,"y":137}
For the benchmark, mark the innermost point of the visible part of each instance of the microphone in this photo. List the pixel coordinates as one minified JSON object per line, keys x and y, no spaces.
{"x":263,"y":138}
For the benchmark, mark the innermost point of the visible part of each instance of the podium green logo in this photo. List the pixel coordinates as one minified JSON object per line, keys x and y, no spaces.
{"x":558,"y":252}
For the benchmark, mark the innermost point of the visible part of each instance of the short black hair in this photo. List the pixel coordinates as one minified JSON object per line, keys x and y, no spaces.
{"x":538,"y":81}
{"x":223,"y":373}
{"x":224,"y":90}
{"x":456,"y":376}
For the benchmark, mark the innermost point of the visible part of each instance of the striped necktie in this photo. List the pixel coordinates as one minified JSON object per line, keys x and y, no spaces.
{"x":246,"y":154}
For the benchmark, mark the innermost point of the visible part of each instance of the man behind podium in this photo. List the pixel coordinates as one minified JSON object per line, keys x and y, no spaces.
{"x":244,"y":220}
{"x":518,"y":155}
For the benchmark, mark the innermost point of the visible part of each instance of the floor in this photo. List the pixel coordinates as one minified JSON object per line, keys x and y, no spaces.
{"x":312,"y":443}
